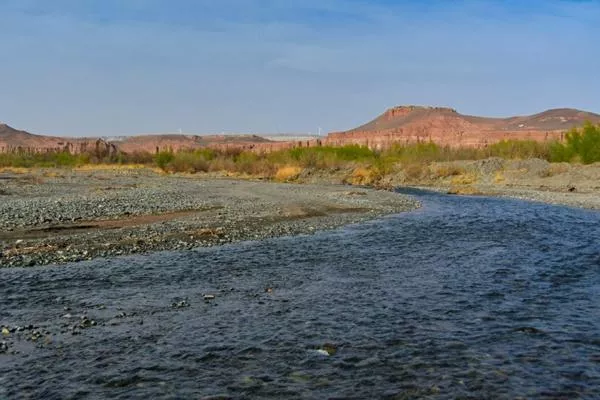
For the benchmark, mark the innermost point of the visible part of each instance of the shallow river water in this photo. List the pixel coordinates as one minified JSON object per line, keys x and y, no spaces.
{"x":464,"y":298}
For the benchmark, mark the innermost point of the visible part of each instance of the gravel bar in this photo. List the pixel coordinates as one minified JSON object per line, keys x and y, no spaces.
{"x":59,"y":216}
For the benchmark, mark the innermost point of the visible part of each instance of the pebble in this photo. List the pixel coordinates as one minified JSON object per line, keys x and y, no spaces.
{"x":180,"y":304}
{"x":143,"y":193}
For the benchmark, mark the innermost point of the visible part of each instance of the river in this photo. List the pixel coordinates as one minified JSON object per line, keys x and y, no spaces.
{"x":467,"y":297}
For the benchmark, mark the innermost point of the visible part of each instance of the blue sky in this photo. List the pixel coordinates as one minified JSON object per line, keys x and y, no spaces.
{"x":110,"y":67}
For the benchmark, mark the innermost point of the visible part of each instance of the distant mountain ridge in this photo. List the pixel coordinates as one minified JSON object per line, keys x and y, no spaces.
{"x":12,"y":140}
{"x":445,"y":126}
{"x":550,"y":120}
{"x":402,"y":124}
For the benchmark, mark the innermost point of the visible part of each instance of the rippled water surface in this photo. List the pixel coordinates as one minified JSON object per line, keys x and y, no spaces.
{"x":465,"y":298}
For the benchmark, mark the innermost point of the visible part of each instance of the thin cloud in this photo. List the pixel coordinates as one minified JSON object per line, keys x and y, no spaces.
{"x":88,"y":67}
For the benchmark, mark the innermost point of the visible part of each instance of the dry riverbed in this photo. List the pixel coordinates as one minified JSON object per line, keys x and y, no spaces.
{"x":59,"y":216}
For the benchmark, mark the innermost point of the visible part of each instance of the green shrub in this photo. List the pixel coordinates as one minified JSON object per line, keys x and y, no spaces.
{"x":559,"y":152}
{"x":580,"y":145}
{"x":43,"y":160}
{"x":187,"y":162}
{"x":585,"y":143}
{"x":163,"y":158}
{"x":519,"y":149}
{"x":326,"y":156}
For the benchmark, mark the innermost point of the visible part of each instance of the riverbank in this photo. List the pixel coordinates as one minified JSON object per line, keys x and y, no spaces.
{"x":59,"y":215}
{"x":532,"y":179}
{"x":566,"y":184}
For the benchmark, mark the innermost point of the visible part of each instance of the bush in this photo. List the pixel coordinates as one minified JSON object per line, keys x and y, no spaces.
{"x":585,"y":143}
{"x":326,"y":156}
{"x":418,"y":152}
{"x":43,"y":160}
{"x":287,"y":173}
{"x":519,"y":149}
{"x":136,"y":157}
{"x":445,"y":171}
{"x":581,"y":145}
{"x":163,"y":159}
{"x":413,"y":171}
{"x":187,"y":162}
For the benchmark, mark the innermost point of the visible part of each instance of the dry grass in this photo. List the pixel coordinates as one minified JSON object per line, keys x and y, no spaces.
{"x":15,"y":170}
{"x":499,"y":177}
{"x":361,"y":176}
{"x":287,"y":173}
{"x":110,"y":167}
{"x":464,"y":179}
{"x":554,"y":169}
{"x":414,"y":171}
{"x":557,"y":169}
{"x":446,"y":171}
{"x":52,"y":174}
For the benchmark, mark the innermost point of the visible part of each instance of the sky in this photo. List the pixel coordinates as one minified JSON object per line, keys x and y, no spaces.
{"x":120,"y":67}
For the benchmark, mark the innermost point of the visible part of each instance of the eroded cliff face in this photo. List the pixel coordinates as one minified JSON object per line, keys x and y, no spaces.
{"x":402,"y":124}
{"x":157,"y":143}
{"x":446,"y":127}
{"x":16,"y":141}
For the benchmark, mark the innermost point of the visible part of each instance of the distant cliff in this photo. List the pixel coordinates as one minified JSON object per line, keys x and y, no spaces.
{"x":402,"y":124}
{"x":445,"y":126}
{"x":16,"y":141}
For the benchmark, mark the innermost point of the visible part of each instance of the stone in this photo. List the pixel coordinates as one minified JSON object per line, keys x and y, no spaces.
{"x":330,"y":348}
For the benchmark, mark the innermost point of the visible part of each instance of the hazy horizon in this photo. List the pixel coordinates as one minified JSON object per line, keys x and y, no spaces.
{"x":112,"y":68}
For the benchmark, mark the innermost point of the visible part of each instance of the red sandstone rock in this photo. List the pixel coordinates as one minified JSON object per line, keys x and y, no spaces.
{"x":154,"y":143}
{"x":12,"y":140}
{"x":445,"y":126}
{"x":403,"y":124}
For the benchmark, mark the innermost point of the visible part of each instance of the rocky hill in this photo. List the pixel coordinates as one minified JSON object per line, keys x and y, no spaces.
{"x":403,"y":124}
{"x":445,"y":126}
{"x":154,"y":143}
{"x":13,"y":140}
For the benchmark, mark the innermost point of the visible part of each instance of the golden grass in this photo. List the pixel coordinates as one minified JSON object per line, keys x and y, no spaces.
{"x":446,"y":171}
{"x":361,"y":176}
{"x":110,"y":167}
{"x":15,"y":170}
{"x":414,"y":171}
{"x":499,"y":177}
{"x":287,"y":173}
{"x":464,"y":179}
